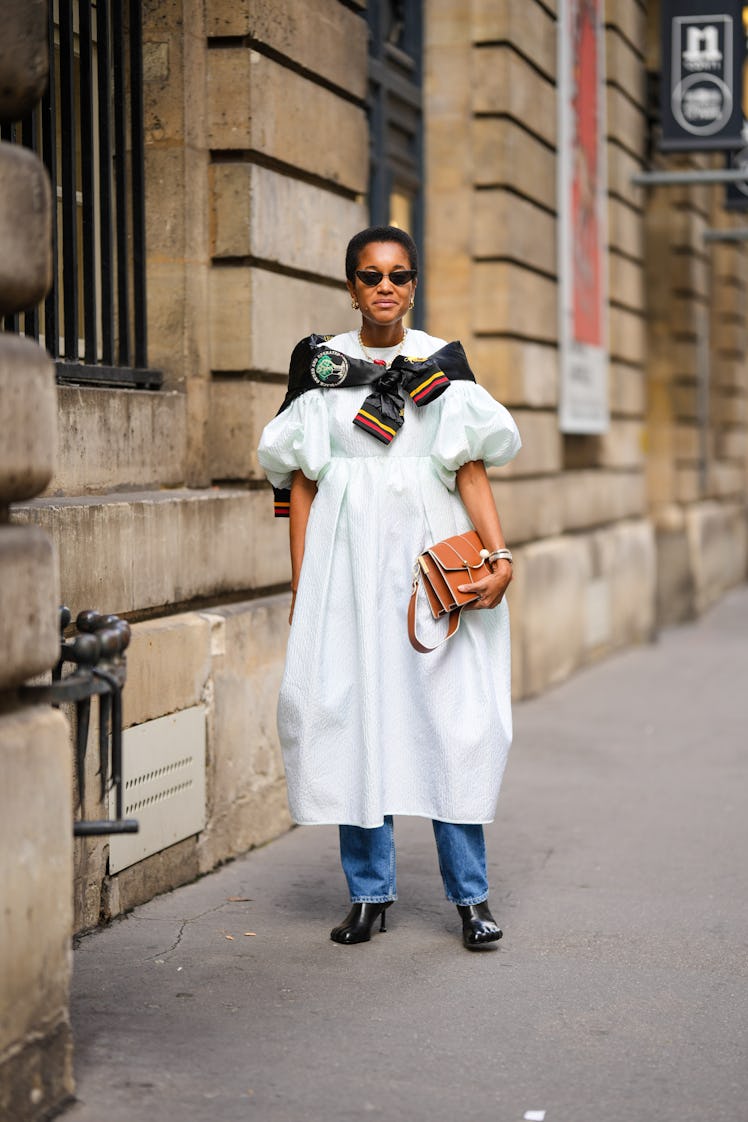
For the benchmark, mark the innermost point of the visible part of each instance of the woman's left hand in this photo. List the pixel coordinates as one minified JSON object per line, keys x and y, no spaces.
{"x":490,"y":589}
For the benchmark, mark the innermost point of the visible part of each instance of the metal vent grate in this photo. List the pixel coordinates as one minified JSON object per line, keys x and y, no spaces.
{"x":164,"y":781}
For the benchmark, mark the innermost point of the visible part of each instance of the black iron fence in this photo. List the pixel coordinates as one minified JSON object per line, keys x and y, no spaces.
{"x":96,"y":651}
{"x":89,"y":132}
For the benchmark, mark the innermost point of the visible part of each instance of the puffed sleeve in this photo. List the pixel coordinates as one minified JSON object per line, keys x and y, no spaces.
{"x":472,"y":426}
{"x":299,"y":437}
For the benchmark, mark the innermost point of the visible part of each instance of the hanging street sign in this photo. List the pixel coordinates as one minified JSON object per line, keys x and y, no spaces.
{"x":703,"y":47}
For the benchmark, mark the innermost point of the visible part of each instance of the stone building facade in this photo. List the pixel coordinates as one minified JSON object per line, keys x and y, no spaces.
{"x":35,"y":822}
{"x":258,"y":147}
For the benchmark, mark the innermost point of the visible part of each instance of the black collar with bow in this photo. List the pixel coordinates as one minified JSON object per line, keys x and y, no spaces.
{"x":315,"y":366}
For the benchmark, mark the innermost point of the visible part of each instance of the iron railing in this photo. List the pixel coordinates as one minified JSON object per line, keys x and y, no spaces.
{"x":97,"y":654}
{"x":89,"y":132}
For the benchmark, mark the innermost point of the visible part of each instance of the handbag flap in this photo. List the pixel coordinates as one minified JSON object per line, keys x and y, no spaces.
{"x":458,"y":553}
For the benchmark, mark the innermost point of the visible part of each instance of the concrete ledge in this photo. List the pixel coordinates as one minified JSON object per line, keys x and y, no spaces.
{"x":702,"y":551}
{"x":118,"y":439}
{"x":28,"y":418}
{"x":618,"y":601}
{"x":143,"y":550}
{"x":29,"y":603}
{"x":576,"y":598}
{"x":717,"y":537}
{"x":675,"y":581}
{"x":547,"y":626}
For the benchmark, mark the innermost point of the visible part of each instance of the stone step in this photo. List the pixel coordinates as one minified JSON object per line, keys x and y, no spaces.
{"x":139,"y":551}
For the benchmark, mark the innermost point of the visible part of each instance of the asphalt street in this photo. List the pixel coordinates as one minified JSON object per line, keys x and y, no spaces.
{"x":618,"y":994}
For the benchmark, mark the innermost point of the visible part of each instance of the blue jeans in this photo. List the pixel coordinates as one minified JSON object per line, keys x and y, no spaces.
{"x":368,"y":859}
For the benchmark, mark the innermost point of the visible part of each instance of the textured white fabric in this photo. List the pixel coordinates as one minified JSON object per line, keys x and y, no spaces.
{"x":368,"y":726}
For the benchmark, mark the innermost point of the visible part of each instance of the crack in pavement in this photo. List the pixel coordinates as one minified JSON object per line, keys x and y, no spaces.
{"x":180,"y":933}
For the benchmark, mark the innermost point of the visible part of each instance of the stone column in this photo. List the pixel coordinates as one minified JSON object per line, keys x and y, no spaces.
{"x":35,"y":805}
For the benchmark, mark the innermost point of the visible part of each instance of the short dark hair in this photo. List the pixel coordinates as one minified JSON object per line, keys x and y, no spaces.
{"x":377,"y":234}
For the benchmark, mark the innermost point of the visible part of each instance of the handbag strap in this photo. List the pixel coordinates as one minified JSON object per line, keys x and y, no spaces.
{"x":454,"y":621}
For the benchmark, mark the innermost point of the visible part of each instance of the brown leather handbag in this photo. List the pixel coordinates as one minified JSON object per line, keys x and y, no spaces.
{"x":440,"y":569}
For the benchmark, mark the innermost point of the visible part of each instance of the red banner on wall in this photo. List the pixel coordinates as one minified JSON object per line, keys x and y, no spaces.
{"x":582,"y":199}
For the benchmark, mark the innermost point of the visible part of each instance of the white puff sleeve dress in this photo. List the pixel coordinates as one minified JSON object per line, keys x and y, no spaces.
{"x":367,"y":725}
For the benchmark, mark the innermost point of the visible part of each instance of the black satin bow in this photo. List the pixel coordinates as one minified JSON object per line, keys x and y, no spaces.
{"x":383,"y":412}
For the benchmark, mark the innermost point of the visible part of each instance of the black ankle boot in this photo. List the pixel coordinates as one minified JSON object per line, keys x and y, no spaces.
{"x":357,"y":925}
{"x":478,"y":925}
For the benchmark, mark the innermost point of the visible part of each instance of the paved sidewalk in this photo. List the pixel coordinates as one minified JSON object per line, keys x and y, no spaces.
{"x":618,"y":994}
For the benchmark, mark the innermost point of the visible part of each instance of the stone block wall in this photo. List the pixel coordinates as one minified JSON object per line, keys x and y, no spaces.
{"x":256,"y":150}
{"x":35,"y":816}
{"x":288,"y":172}
{"x":697,"y":464}
{"x":576,"y":507}
{"x":698,"y":401}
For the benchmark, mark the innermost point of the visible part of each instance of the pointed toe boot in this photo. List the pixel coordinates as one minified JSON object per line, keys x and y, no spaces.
{"x":478,"y":925}
{"x":357,"y":925}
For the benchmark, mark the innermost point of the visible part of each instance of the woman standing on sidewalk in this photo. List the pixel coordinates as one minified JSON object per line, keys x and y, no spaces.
{"x":370,"y":728}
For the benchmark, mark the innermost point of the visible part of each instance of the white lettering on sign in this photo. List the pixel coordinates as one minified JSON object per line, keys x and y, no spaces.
{"x":702,"y":104}
{"x":701,"y":95}
{"x":702,"y":49}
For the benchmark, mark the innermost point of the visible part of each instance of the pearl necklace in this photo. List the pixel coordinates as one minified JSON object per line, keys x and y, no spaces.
{"x":397,"y":352}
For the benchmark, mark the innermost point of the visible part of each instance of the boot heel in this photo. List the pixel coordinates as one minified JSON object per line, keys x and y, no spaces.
{"x":357,"y":925}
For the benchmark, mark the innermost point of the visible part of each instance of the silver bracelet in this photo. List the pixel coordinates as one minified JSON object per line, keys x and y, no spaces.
{"x":497,"y":555}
